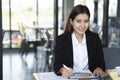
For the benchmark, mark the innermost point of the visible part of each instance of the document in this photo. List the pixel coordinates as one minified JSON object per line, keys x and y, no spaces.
{"x":87,"y":74}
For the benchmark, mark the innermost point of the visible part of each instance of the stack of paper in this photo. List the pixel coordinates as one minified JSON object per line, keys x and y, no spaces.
{"x":86,"y":74}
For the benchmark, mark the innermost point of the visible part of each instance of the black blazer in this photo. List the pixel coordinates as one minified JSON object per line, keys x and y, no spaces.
{"x":64,"y":52}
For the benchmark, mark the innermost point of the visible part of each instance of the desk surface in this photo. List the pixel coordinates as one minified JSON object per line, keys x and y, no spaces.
{"x":50,"y":76}
{"x":112,"y":74}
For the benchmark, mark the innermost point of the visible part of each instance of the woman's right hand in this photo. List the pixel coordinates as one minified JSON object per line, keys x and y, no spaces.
{"x":66,"y":73}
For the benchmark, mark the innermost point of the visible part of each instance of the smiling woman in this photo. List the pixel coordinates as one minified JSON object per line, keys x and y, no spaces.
{"x":80,"y":25}
{"x":78,"y":48}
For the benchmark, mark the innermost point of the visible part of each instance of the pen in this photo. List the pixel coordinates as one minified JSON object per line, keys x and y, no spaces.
{"x":66,"y":67}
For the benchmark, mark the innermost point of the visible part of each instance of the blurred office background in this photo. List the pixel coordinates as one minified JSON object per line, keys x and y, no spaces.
{"x":29,"y":29}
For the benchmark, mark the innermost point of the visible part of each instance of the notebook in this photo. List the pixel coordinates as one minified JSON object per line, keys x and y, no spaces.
{"x":85,"y":74}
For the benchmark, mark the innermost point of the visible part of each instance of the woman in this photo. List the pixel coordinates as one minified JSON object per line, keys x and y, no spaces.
{"x":78,"y":48}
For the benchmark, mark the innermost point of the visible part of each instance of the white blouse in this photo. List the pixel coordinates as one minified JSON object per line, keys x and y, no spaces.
{"x":80,"y":54}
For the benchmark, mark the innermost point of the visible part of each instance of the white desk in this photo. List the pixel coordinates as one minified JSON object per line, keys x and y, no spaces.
{"x":50,"y":76}
{"x":47,"y":76}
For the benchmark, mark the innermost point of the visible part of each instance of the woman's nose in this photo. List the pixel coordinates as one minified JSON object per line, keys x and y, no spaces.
{"x":82,"y":25}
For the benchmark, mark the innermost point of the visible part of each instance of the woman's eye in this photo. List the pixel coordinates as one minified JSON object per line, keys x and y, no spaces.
{"x":78,"y":21}
{"x":86,"y":21}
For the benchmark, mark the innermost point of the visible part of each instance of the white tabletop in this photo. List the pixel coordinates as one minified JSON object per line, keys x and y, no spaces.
{"x":49,"y":76}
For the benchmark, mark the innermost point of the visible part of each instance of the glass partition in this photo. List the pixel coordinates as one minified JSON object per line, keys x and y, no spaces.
{"x":96,"y":20}
{"x":14,"y":12}
{"x":114,"y":25}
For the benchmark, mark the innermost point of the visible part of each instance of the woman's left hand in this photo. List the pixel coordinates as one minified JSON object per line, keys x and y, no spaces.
{"x":98,"y":71}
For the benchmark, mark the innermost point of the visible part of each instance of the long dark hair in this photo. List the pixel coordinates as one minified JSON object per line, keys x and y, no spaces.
{"x":78,"y":9}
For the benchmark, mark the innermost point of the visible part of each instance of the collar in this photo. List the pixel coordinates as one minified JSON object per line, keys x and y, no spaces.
{"x":76,"y":42}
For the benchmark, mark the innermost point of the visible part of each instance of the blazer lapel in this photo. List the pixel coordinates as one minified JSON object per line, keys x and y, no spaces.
{"x":89,"y":48}
{"x":69,"y":50}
